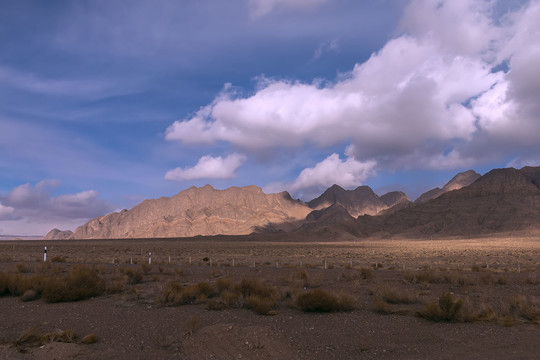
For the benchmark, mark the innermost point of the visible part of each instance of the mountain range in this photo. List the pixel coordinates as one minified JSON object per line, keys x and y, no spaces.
{"x":469,"y":204}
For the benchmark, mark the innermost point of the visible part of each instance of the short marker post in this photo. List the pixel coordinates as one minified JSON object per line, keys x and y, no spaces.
{"x":150,"y":258}
{"x":45,"y":254}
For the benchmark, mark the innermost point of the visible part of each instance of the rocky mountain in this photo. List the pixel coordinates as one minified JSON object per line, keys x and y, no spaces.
{"x":199,"y":211}
{"x":56,"y":234}
{"x":502,"y":200}
{"x":394,"y":198}
{"x":457,"y":182}
{"x":333,"y":214}
{"x":360,"y":201}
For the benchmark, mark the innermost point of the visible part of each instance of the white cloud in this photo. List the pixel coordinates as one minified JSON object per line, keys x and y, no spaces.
{"x":6,"y":212}
{"x":332,"y":170}
{"x":259,"y":8}
{"x":209,"y":167}
{"x":324,"y":47}
{"x":28,"y":208}
{"x":427,"y":94}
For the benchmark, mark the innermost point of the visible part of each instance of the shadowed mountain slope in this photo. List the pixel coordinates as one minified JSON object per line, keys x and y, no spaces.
{"x":359,"y":201}
{"x":502,"y":200}
{"x":457,"y":182}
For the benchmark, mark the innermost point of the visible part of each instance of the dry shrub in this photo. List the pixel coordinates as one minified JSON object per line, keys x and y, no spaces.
{"x":89,"y":339}
{"x":258,"y":296}
{"x":508,"y":321}
{"x":319,"y":300}
{"x":255,"y":287}
{"x":81,"y":283}
{"x":29,"y":338}
{"x":525,"y":308}
{"x":115,"y":285}
{"x":135,"y":276}
{"x":428,"y":276}
{"x":486,"y":313}
{"x":261,"y":305}
{"x":231,"y":299}
{"x":448,"y":308}
{"x":18,"y":285}
{"x":393,"y":296}
{"x":30,"y":295}
{"x":175,"y":294}
{"x":35,"y":337}
{"x":146,"y":268}
{"x":4,"y":283}
{"x":381,"y":306}
{"x":224,"y":284}
{"x":22,"y":268}
{"x":58,"y":259}
{"x":366,"y":273}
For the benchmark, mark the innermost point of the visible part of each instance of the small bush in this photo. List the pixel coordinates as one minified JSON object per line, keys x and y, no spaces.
{"x":58,"y":259}
{"x":525,"y":308}
{"x":381,"y":307}
{"x":81,"y":283}
{"x":366,"y":273}
{"x":29,"y":295}
{"x":255,"y":287}
{"x":4,"y":283}
{"x":319,"y":300}
{"x":261,"y":305}
{"x":146,"y":268}
{"x":135,"y":276}
{"x":22,"y":268}
{"x":175,"y":294}
{"x":448,"y":308}
{"x":89,"y":339}
{"x":224,"y":284}
{"x":393,"y":296}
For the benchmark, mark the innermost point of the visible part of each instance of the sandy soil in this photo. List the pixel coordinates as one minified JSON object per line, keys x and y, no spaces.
{"x":133,"y":324}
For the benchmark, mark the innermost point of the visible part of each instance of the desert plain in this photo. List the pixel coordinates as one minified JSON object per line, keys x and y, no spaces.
{"x":271,"y":297}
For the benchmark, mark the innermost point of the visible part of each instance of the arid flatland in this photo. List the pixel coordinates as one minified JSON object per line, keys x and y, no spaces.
{"x":389,"y":299}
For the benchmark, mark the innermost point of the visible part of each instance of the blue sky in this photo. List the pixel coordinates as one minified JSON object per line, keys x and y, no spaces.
{"x":103,"y":104}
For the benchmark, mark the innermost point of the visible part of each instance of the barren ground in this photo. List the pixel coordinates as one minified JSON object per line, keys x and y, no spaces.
{"x":390,"y":281}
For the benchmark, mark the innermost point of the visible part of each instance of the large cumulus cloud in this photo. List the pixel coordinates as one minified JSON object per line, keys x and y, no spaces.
{"x":460,"y":84}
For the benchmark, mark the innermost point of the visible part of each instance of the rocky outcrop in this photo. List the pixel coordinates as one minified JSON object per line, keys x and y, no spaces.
{"x":360,"y":201}
{"x":56,"y":234}
{"x":199,"y":211}
{"x":457,"y":182}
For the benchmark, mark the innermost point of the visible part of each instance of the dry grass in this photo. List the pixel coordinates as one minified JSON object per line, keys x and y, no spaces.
{"x":448,"y":308}
{"x":34,"y":337}
{"x":393,"y":295}
{"x":81,"y":283}
{"x":319,"y":300}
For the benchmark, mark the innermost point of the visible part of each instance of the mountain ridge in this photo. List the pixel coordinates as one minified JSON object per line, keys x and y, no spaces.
{"x":501,"y":200}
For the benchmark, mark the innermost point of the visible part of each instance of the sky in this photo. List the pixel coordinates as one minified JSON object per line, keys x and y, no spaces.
{"x":105,"y":103}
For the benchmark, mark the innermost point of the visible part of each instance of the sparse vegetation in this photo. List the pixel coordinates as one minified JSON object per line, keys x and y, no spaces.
{"x":319,"y":300}
{"x":83,"y":282}
{"x":448,"y":308}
